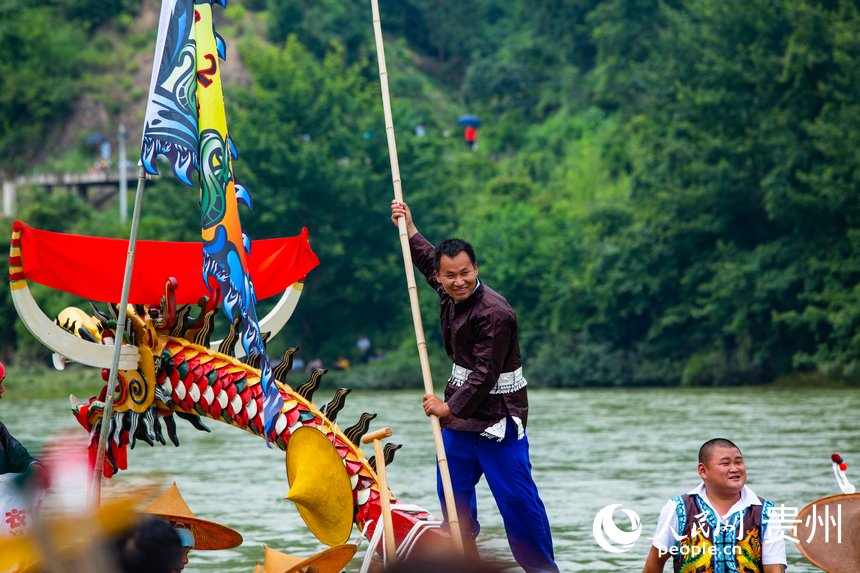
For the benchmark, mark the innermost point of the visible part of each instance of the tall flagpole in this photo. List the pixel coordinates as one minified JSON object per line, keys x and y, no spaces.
{"x":98,"y":470}
{"x":441,"y":458}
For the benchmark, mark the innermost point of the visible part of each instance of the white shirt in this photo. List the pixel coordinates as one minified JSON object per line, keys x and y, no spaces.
{"x":773,"y":546}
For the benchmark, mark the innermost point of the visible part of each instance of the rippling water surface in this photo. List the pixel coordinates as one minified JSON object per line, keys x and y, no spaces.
{"x":589,"y":449}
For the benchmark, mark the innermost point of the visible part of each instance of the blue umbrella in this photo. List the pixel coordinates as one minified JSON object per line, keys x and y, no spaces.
{"x":469,"y":119}
{"x":95,"y":139}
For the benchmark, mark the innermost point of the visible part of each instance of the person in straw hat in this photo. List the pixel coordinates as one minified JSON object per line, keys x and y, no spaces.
{"x":194,"y":532}
{"x":331,"y":560}
{"x":721,"y":525}
{"x":151,"y":546}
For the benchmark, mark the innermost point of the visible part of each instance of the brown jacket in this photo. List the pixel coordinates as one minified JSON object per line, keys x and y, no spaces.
{"x":480,"y":333}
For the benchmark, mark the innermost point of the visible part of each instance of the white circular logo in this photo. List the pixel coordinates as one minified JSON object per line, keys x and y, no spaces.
{"x":607,"y":534}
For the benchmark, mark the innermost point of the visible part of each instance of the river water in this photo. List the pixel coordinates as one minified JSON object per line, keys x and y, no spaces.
{"x":589,"y":448}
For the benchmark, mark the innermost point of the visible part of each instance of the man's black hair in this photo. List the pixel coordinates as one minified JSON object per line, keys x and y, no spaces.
{"x":451,"y":248}
{"x":711,"y":445}
{"x":151,"y":546}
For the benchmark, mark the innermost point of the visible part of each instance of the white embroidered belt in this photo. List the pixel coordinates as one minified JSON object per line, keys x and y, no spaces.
{"x":508,"y":381}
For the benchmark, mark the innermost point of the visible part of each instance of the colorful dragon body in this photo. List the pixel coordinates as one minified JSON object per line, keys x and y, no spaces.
{"x":183,"y":377}
{"x":170,"y":369}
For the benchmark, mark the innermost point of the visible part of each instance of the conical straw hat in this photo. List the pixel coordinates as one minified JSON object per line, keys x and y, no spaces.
{"x":831,"y":554}
{"x":332,"y":560}
{"x":319,"y":486}
{"x":207,"y":534}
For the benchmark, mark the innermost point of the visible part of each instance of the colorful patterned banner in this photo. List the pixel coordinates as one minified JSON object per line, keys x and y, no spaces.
{"x":170,"y":128}
{"x":186,"y":122}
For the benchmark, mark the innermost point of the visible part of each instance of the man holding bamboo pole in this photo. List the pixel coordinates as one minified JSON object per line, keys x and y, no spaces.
{"x":485,"y":409}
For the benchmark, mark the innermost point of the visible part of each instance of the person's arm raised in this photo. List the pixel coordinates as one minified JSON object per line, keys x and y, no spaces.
{"x":421,"y":249}
{"x":401,"y":209}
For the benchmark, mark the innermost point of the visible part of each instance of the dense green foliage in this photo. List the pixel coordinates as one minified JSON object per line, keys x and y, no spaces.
{"x":666,"y":192}
{"x":34,"y":90}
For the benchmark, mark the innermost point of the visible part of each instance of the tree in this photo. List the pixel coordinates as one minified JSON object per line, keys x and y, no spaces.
{"x":40,"y":61}
{"x":729,"y":220}
{"x":314,"y":131}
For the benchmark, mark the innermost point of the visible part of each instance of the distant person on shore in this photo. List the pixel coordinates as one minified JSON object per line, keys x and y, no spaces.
{"x":470,"y":136}
{"x":314,"y":364}
{"x":485,"y":410}
{"x":720,"y":525}
{"x":298,"y":364}
{"x":363,"y":345}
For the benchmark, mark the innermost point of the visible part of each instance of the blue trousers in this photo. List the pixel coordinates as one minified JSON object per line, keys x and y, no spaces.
{"x":507,"y":468}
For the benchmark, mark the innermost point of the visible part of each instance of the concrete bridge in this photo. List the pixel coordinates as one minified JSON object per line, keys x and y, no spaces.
{"x":95,"y":187}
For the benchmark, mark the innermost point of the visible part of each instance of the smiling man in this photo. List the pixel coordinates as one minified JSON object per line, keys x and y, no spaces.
{"x":486,"y":404}
{"x":721,"y":526}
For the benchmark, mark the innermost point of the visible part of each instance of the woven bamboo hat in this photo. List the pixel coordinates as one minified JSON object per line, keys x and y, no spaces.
{"x":207,"y":534}
{"x":319,"y":486}
{"x":831,"y":555}
{"x":332,"y":560}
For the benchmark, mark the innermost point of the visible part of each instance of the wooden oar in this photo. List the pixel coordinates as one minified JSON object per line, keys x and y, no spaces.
{"x":384,"y":498}
{"x":441,"y":458}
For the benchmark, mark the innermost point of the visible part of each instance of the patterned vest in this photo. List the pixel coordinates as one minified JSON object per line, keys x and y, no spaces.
{"x":706,"y":546}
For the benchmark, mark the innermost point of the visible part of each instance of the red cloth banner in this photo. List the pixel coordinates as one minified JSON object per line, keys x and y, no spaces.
{"x":93,"y":267}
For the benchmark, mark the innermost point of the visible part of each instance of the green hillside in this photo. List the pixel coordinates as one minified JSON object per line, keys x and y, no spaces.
{"x":666,"y":192}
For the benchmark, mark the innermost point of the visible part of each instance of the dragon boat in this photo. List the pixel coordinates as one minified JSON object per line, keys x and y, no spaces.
{"x":169,"y":366}
{"x":152,"y":335}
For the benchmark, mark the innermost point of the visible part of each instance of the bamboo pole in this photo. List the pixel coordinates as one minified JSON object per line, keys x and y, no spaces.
{"x":384,"y":494}
{"x":98,"y":470}
{"x":441,"y":457}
